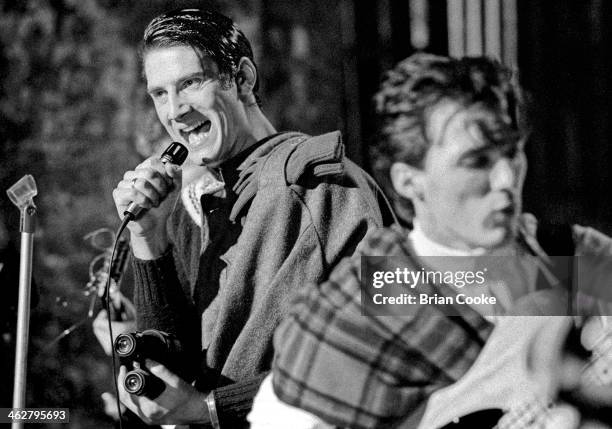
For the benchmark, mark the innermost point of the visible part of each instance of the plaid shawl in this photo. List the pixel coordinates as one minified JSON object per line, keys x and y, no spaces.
{"x":361,"y":371}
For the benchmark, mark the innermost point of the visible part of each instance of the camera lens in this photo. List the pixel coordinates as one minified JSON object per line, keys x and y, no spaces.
{"x":134,"y":382}
{"x":125,"y":344}
{"x":140,"y":382}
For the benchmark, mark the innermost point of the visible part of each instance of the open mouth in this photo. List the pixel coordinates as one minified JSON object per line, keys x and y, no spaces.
{"x":502,"y":215}
{"x":196,"y":133}
{"x":508,"y":210}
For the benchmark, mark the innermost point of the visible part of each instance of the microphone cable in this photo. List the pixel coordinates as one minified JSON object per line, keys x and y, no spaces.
{"x":175,"y":153}
{"x":107,"y":305}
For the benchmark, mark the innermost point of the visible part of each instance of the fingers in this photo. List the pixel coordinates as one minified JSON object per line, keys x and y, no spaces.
{"x":178,"y":403}
{"x":146,"y":188}
{"x":100,"y":328}
{"x":100,"y":323}
{"x":125,"y":398}
{"x":102,"y":317}
{"x":147,"y":185}
{"x":586,"y":384}
{"x":110,"y":405}
{"x":129,"y":311}
{"x":163,"y":373}
{"x":148,"y":410}
{"x":174,"y":172}
{"x":563,"y":417}
{"x":123,"y":327}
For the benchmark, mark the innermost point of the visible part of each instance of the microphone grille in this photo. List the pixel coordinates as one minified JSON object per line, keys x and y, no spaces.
{"x":176,"y":154}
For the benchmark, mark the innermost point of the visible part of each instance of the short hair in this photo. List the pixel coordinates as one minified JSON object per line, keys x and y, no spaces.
{"x":210,"y":33}
{"x":407,"y":95}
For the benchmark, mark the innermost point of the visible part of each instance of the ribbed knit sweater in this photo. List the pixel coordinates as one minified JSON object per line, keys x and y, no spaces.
{"x":293,"y":207}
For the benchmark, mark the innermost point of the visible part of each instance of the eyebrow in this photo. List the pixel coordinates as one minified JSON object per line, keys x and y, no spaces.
{"x":489,"y":146}
{"x":479,"y":150}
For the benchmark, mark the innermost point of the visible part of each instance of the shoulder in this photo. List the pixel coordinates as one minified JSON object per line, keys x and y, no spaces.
{"x":297,"y":156}
{"x":311,"y":168}
{"x":297,"y":159}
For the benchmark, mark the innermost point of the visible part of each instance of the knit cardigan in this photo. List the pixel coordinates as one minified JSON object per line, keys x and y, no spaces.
{"x":303,"y":206}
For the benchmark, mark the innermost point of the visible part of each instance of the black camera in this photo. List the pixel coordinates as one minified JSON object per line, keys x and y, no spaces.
{"x":135,"y":347}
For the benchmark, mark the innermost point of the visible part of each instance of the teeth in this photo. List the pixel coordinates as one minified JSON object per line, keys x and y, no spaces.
{"x":193,"y":127}
{"x":197,"y":132}
{"x":196,"y":139}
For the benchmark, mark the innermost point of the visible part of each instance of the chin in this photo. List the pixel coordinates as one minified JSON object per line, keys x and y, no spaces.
{"x":498,"y":237}
{"x":208,"y":157}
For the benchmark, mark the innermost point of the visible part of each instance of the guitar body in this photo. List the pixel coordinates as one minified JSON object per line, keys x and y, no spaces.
{"x":514,"y":375}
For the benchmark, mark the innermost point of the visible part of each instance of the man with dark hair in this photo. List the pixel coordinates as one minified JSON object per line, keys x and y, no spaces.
{"x":404,"y":104}
{"x":451,"y":152}
{"x":218,"y":265}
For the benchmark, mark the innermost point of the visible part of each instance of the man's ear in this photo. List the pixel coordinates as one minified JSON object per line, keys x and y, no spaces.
{"x":407,"y":181}
{"x":246,"y":76}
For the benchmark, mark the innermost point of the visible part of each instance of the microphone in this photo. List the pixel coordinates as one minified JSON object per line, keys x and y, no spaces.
{"x":22,"y":192}
{"x":176,"y":154}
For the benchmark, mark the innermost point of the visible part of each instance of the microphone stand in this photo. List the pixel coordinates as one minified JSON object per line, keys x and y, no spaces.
{"x":22,"y":194}
{"x":27,"y":228}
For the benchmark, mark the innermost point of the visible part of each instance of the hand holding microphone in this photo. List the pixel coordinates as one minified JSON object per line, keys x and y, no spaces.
{"x":175,"y":154}
{"x":154,"y":184}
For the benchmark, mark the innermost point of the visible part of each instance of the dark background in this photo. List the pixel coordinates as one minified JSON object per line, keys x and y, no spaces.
{"x":74,"y":114}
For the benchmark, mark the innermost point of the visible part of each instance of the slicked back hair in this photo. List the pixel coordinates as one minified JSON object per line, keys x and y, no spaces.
{"x":411,"y":90}
{"x":209,"y":33}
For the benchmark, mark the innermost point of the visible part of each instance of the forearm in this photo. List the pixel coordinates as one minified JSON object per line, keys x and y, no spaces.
{"x":149,"y":247}
{"x":234,"y":402}
{"x":161,"y":303}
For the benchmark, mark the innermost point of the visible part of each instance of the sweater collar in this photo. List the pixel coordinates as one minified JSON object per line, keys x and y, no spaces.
{"x":425,"y":246}
{"x":229,"y":170}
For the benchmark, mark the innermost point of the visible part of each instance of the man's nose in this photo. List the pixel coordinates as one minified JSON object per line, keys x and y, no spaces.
{"x":177,"y":107}
{"x":504,"y":174}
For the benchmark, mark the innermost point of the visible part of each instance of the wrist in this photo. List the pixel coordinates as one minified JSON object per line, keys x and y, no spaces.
{"x":149,"y":246}
{"x":193,"y":411}
{"x":198,"y":410}
{"x":211,"y":407}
